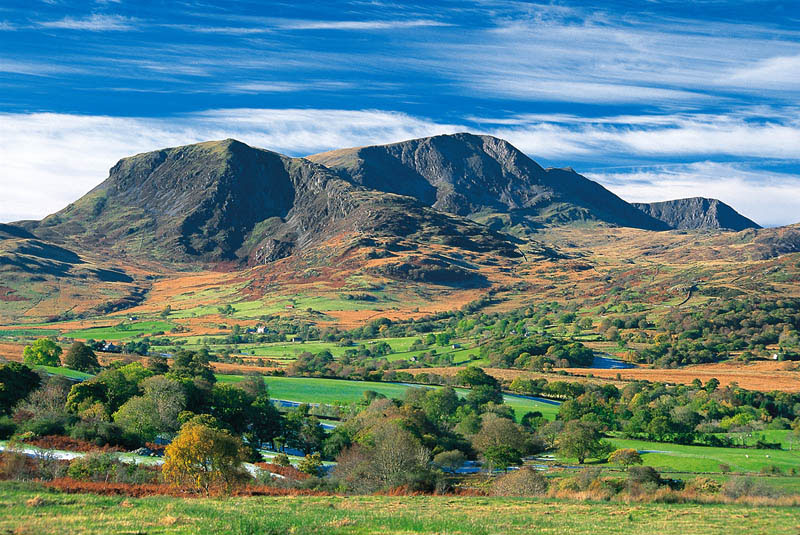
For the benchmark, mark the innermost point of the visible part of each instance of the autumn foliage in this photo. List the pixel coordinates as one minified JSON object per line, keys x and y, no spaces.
{"x":205,"y":459}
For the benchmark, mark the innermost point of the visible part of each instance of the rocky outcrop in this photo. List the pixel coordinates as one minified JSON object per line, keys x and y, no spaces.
{"x":697,"y":213}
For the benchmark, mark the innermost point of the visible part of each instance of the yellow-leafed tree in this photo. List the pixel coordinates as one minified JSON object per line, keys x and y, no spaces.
{"x":204,"y":458}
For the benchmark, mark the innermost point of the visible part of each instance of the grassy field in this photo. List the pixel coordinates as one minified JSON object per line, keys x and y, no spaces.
{"x":122,"y":331}
{"x":27,"y":508}
{"x":314,"y":390}
{"x":678,"y":458}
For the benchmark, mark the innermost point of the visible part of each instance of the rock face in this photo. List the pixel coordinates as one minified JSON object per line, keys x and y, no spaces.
{"x":466,"y":174}
{"x":697,"y":213}
{"x":227,"y":201}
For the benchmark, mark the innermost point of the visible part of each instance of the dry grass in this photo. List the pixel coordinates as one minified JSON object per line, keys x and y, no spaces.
{"x":760,"y":375}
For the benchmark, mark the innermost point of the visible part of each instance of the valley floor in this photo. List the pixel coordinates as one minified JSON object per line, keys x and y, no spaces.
{"x":28,"y":508}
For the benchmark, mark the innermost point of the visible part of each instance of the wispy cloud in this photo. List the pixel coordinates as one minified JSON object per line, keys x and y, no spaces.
{"x":780,"y":72}
{"x":745,"y":133}
{"x":36,"y":68}
{"x":768,"y":198}
{"x":94,"y":23}
{"x":80,"y":149}
{"x":364,"y":25}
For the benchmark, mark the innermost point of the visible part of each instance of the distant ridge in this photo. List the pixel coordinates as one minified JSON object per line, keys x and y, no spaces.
{"x":468,"y":175}
{"x":697,"y":213}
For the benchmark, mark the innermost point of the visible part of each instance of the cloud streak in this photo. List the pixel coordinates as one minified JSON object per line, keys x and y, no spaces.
{"x":93,"y":23}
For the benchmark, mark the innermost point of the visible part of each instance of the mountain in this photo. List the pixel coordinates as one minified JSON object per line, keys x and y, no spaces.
{"x":225,"y":201}
{"x":471,"y":175}
{"x":697,"y":213}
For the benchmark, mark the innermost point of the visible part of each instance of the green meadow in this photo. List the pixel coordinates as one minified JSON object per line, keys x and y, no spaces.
{"x":31,"y":508}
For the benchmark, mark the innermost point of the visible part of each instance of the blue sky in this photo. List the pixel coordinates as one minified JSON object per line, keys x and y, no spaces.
{"x":656,"y":100}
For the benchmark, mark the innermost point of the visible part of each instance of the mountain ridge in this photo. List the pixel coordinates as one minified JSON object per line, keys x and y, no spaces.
{"x":697,"y":213}
{"x":468,"y":174}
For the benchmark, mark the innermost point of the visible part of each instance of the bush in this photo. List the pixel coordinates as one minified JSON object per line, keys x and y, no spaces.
{"x":282,"y":459}
{"x":311,"y":464}
{"x":739,"y":487}
{"x":46,"y":425}
{"x":7,"y":427}
{"x":643,"y":480}
{"x":704,"y":485}
{"x":15,"y":465}
{"x":107,"y":468}
{"x":587,"y":476}
{"x":103,"y":434}
{"x":523,"y":482}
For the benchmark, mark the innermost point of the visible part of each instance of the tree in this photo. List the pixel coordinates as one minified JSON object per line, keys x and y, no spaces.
{"x":303,"y":431}
{"x":581,"y":440}
{"x":139,"y":416}
{"x":169,"y":399}
{"x":450,"y":460}
{"x":43,"y":352}
{"x":625,"y":457}
{"x":16,"y":382}
{"x":496,"y":431}
{"x":231,"y":406}
{"x":81,"y":357}
{"x":502,"y":456}
{"x":205,"y":459}
{"x":266,"y":420}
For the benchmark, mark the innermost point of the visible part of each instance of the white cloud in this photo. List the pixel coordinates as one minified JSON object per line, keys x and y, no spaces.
{"x":780,"y":72}
{"x":364,"y":25}
{"x":50,"y":160}
{"x":741,"y":134}
{"x":768,"y":198}
{"x":66,"y":155}
{"x":94,"y":23}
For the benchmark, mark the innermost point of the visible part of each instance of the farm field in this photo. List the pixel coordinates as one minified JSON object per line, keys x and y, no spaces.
{"x":680,"y":458}
{"x":315,"y":390}
{"x":28,"y":508}
{"x":760,"y":375}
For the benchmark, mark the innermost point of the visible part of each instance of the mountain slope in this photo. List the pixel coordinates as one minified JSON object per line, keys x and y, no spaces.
{"x":226,"y":201}
{"x":466,"y":174}
{"x":697,"y":213}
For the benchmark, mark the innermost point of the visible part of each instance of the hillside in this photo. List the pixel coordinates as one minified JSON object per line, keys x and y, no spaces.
{"x":697,"y":213}
{"x":478,"y":176}
{"x":226,"y":201}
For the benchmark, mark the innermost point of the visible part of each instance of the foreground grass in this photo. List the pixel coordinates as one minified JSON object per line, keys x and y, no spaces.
{"x":31,"y":509}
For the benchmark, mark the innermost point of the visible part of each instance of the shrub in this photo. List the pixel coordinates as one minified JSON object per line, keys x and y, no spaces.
{"x":93,"y":467}
{"x":771,"y":469}
{"x":523,"y":482}
{"x":282,"y":459}
{"x":739,"y":487}
{"x":642,"y":480}
{"x":7,"y":427}
{"x":15,"y":465}
{"x":107,"y":468}
{"x":46,"y":425}
{"x":587,"y":476}
{"x":724,"y":468}
{"x":704,"y":485}
{"x":311,"y":464}
{"x":103,"y":434}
